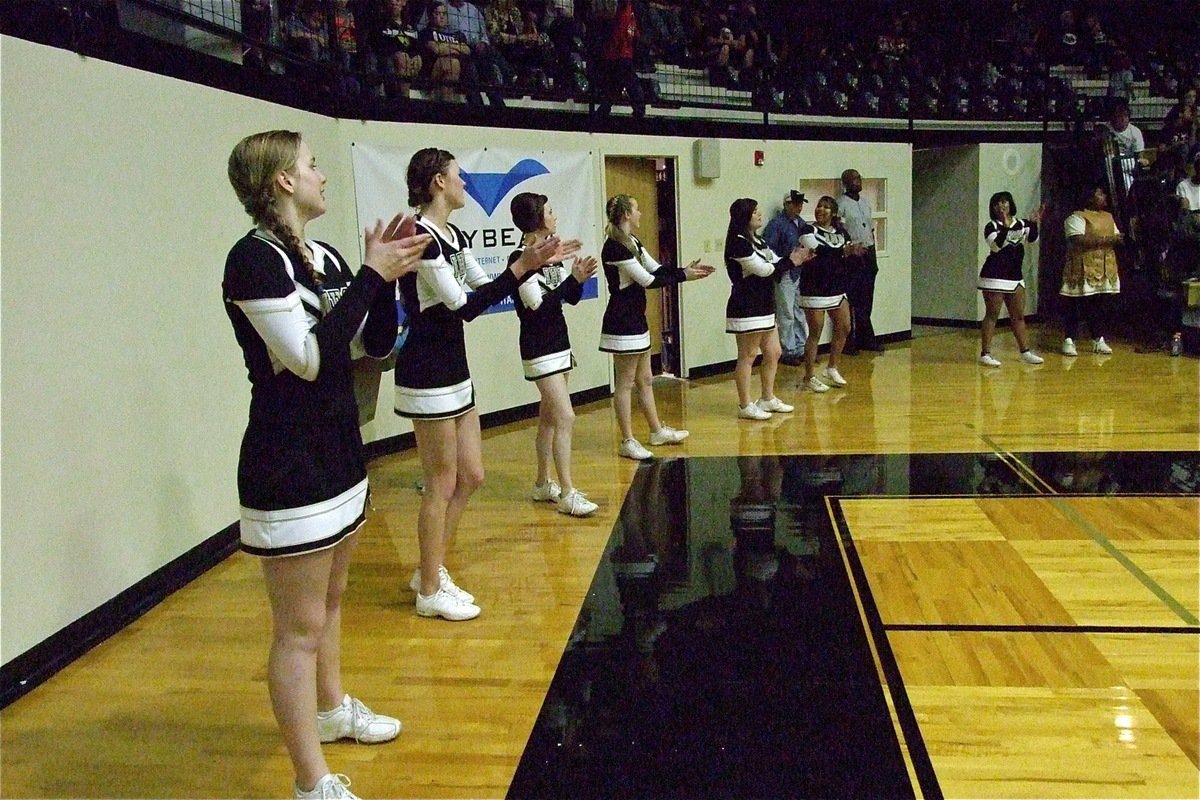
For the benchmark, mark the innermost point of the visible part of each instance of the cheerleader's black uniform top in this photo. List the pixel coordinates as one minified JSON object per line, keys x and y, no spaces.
{"x":624,"y":328}
{"x":1002,"y":269}
{"x":302,"y":480}
{"x":545,"y":345}
{"x":751,"y":265}
{"x":433,"y":380}
{"x":823,"y":277}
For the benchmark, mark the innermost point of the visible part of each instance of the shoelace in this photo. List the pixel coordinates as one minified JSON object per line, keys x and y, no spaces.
{"x":361,"y":718}
{"x":339,"y":787}
{"x":448,"y":584}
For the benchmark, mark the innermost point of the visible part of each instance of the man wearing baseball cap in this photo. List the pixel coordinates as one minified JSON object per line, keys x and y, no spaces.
{"x":782,"y":234}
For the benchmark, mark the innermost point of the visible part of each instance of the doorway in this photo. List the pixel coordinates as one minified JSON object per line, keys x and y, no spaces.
{"x":651,"y":181}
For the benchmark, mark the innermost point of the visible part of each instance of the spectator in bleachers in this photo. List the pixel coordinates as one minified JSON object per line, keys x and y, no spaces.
{"x":1120,"y":77}
{"x":567,"y":36}
{"x":748,"y":27}
{"x":396,"y":47}
{"x":1188,"y":189}
{"x":487,"y":63}
{"x":615,"y":73}
{"x":665,"y":31}
{"x":726,"y":53}
{"x":1124,"y":139}
{"x":448,"y":53}
{"x":1181,"y":125}
{"x":258,"y":24}
{"x":305,"y":32}
{"x":523,"y":45}
{"x":1065,"y":47}
{"x":1099,"y":48}
{"x":345,"y":35}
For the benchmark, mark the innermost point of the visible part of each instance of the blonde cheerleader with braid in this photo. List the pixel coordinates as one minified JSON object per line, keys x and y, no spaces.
{"x":629,"y":271}
{"x":298,"y":312}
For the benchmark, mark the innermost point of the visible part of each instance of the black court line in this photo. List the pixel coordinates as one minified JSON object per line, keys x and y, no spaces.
{"x":974,"y":628}
{"x":918,"y":752}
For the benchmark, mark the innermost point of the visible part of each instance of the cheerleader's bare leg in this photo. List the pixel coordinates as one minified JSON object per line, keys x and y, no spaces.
{"x":815,"y":318}
{"x":557,"y":417}
{"x":644,"y":380}
{"x":451,"y":477}
{"x":841,"y":331}
{"x":748,"y":346}
{"x":298,"y":588}
{"x":625,"y":368}
{"x":1016,"y":316}
{"x":992,"y":302}
{"x":544,"y":442}
{"x":329,"y":656}
{"x":470,"y":472}
{"x":771,"y":352}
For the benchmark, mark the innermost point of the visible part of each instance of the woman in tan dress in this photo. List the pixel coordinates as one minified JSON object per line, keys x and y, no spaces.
{"x":1090,"y":272}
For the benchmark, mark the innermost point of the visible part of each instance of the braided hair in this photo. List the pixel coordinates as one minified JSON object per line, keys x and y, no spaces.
{"x":616,"y":209}
{"x":253,"y":166}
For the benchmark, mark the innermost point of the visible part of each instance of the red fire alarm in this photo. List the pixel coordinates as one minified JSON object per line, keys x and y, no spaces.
{"x":758,"y":158}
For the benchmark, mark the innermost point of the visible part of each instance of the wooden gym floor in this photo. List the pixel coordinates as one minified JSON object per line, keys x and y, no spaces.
{"x":943,"y":580}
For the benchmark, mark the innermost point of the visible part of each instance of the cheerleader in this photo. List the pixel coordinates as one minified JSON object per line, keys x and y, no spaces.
{"x":629,"y":271}
{"x":750,"y":313}
{"x":1000,"y":278}
{"x":823,"y":288}
{"x":546,"y":351}
{"x":298,"y":313}
{"x":433,"y":381}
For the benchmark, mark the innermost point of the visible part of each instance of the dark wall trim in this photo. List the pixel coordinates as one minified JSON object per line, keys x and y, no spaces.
{"x":966,"y":323}
{"x":709,"y":370}
{"x":39,"y":663}
{"x":406,"y":441}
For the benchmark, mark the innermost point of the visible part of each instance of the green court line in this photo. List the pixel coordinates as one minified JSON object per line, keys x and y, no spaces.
{"x":1034,"y":480}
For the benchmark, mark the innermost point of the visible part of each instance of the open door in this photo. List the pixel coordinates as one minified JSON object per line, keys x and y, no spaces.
{"x":651,"y":181}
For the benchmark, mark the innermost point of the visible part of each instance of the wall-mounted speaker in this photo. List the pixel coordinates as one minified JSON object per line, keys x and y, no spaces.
{"x":706,"y":156}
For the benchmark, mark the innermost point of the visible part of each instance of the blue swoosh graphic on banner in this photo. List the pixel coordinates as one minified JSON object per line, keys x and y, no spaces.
{"x":489,"y":188}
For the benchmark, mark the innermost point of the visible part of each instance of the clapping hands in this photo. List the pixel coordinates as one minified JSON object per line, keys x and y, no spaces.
{"x":393,"y":249}
{"x":547,"y":251}
{"x":800,"y":254}
{"x":695,"y":270}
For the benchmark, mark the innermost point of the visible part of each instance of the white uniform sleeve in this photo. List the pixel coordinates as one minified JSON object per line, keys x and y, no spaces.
{"x":809,"y":240}
{"x":634,"y":271}
{"x":436,"y":284}
{"x":530,"y":293}
{"x":755,"y":264}
{"x":990,"y":234}
{"x":283,"y":325}
{"x":1074,"y":226}
{"x":476,"y":275}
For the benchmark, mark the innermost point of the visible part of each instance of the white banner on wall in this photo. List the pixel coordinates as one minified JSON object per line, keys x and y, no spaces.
{"x":493,"y":178}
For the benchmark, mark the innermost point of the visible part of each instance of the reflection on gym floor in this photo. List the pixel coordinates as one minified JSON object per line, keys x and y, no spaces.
{"x":721,"y":651}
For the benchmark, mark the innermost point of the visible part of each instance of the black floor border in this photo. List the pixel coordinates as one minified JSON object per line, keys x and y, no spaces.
{"x":934,"y":627}
{"x":917,"y":751}
{"x":38,"y":664}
